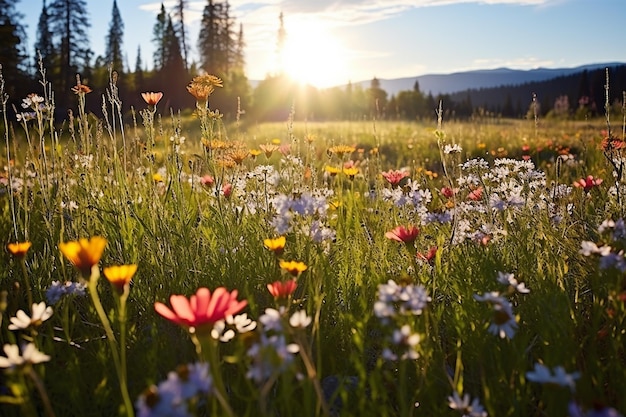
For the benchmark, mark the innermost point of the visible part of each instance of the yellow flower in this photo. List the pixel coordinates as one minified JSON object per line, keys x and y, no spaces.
{"x":84,"y":254}
{"x":293,"y":267}
{"x":275,"y":245}
{"x":331,"y":170}
{"x":276,"y":141}
{"x":157,"y":177}
{"x":254,"y":153}
{"x":351,"y":172}
{"x":19,"y":249}
{"x":238,"y":155}
{"x":120,"y":275}
{"x":340,"y":150}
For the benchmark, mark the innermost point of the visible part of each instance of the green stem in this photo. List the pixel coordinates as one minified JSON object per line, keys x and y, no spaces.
{"x":121,"y":376}
{"x":29,"y":291}
{"x":42,"y":392}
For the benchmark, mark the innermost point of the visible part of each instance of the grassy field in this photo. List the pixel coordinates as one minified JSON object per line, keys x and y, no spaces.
{"x":177,"y":266}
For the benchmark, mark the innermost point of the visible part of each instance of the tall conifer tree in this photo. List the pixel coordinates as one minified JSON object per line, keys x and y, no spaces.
{"x":115,"y":39}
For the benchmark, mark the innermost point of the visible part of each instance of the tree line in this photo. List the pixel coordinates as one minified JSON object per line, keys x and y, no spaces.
{"x":62,"y":51}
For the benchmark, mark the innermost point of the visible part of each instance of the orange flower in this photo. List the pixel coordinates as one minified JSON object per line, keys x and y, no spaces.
{"x":152,"y":98}
{"x":293,"y":267}
{"x":81,"y":89}
{"x":403,"y":235}
{"x":119,"y":276}
{"x":280,"y":289}
{"x":202,"y":86}
{"x":19,"y":249}
{"x":84,"y":254}
{"x":203,"y":309}
{"x":275,"y":245}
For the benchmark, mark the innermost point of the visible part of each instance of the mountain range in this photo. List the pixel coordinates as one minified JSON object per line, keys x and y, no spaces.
{"x":461,"y":81}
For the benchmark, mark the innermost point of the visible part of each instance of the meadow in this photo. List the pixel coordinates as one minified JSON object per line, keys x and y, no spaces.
{"x":160,"y":264}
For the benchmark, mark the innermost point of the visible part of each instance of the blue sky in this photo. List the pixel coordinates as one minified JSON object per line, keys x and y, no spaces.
{"x":332,"y":42}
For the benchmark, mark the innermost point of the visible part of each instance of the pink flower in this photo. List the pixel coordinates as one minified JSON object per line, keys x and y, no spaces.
{"x":207,"y":180}
{"x":588,"y":183}
{"x":476,"y":195}
{"x":448,"y":192}
{"x":394,"y":177}
{"x":403,"y":235}
{"x":281,"y":289}
{"x":227,"y":190}
{"x":201,"y":309}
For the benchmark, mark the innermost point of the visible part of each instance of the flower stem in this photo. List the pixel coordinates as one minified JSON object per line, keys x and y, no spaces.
{"x":121,"y":375}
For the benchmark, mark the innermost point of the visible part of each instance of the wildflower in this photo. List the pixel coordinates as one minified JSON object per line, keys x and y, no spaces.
{"x":351,"y":172}
{"x":40,"y":313}
{"x":202,"y":86}
{"x":400,"y":299}
{"x":81,"y":89}
{"x":504,"y":322}
{"x":207,"y":180}
{"x":268,"y":149}
{"x":403,"y":235}
{"x":511,"y":281}
{"x":611,"y":143}
{"x":598,"y":411}
{"x":429,"y":257}
{"x":173,"y":396}
{"x":299,"y":319}
{"x":238,"y":155}
{"x":406,"y":340}
{"x":152,"y":99}
{"x":32,"y":100}
{"x":120,"y":276}
{"x":341,"y":150}
{"x":448,"y":192}
{"x":57,"y":290}
{"x":588,"y":248}
{"x":476,"y":194}
{"x":271,"y":319}
{"x":19,"y":249}
{"x":227,"y":190}
{"x":157,"y":178}
{"x":203,"y":309}
{"x":270,"y":355}
{"x":84,"y":254}
{"x":281,"y":289}
{"x":331,"y":170}
{"x":588,"y":183}
{"x":241,"y":322}
{"x":254,"y":153}
{"x":463,"y":406}
{"x":30,"y":355}
{"x":293,"y":267}
{"x":276,"y":245}
{"x":448,"y":149}
{"x":394,"y":177}
{"x":542,"y":374}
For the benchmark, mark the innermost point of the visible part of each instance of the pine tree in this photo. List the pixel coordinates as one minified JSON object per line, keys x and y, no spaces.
{"x":181,"y":30}
{"x":12,"y":53}
{"x":208,"y":37}
{"x":139,"y":76}
{"x":114,"y":40}
{"x":158,"y":33}
{"x":219,"y":48}
{"x":44,"y":47}
{"x":69,"y":24}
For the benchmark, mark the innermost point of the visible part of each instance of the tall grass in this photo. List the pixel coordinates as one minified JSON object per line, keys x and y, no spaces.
{"x":376,"y":326}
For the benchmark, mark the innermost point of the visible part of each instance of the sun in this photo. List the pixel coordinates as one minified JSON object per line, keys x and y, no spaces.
{"x":313,"y":55}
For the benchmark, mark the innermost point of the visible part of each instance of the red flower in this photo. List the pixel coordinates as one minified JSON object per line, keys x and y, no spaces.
{"x":588,"y":183}
{"x":403,"y":235}
{"x":202,"y":308}
{"x":394,"y":177}
{"x":227,"y":190}
{"x":448,"y":192}
{"x":429,"y":256}
{"x":281,"y":289}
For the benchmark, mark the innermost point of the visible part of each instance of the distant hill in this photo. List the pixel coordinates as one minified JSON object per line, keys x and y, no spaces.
{"x":462,"y":81}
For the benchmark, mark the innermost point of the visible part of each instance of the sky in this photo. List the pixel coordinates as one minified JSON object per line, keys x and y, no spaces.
{"x":333,"y":42}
